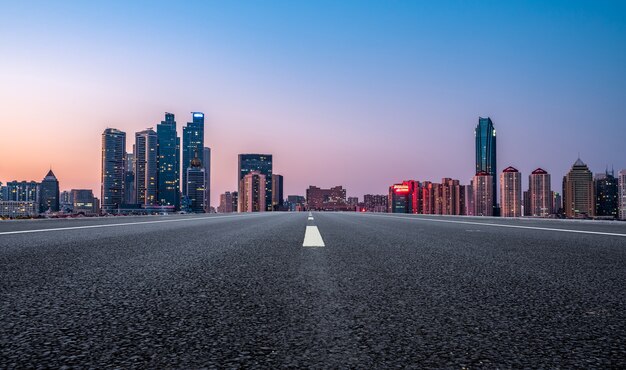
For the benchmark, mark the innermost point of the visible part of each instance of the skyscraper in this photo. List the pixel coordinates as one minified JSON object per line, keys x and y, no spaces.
{"x":146,"y":168}
{"x":226,"y":203}
{"x":193,"y":141}
{"x":539,"y":194}
{"x":168,"y":158}
{"x":578,"y":199}
{"x":277,"y":192}
{"x":606,"y":193}
{"x":621,"y":183}
{"x":130,"y":192}
{"x":196,"y":183}
{"x":485,"y":135}
{"x":23,"y":191}
{"x":511,"y":192}
{"x":252,"y":195}
{"x":113,"y":158}
{"x":483,"y":197}
{"x":206,"y":162}
{"x":261,"y":163}
{"x":404,"y":197}
{"x":49,"y":193}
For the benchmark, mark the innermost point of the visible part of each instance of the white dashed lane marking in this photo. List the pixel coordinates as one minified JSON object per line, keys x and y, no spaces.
{"x":312,"y":237}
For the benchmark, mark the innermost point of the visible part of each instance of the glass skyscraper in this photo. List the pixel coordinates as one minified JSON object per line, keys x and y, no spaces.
{"x":49,"y":193}
{"x":261,"y":163}
{"x":193,"y":141}
{"x":168,"y":155}
{"x":113,"y":158}
{"x":485,"y":135}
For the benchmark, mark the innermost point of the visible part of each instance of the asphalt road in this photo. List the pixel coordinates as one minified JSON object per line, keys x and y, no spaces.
{"x":241,"y":291}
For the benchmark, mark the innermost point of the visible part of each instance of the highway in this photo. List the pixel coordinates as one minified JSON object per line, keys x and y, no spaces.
{"x":325,"y":290}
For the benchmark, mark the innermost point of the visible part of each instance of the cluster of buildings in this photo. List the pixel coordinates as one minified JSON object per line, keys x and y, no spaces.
{"x":25,"y":199}
{"x":156,"y":178}
{"x":148,"y":180}
{"x":583,"y":195}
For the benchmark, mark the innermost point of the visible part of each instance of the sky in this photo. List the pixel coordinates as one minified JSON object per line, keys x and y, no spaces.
{"x":355,"y":93}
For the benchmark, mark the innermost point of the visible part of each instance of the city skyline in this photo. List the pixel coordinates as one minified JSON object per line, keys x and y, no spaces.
{"x":542,"y":89}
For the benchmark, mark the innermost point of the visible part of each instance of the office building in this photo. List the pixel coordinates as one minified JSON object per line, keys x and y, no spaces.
{"x":277,"y":192}
{"x":557,"y":203}
{"x":404,"y":197}
{"x":511,"y":193}
{"x":296,"y":203}
{"x":193,"y":141}
{"x":113,"y":169}
{"x":578,"y":192}
{"x":621,"y":183}
{"x":468,"y":191}
{"x":261,"y":163}
{"x":235,"y":196}
{"x":130,"y":191}
{"x":4,"y":193}
{"x":252,"y":195}
{"x":226,"y":203}
{"x":485,"y":135}
{"x":606,"y":193}
{"x":540,"y":194}
{"x":333,"y":199}
{"x":146,"y":168}
{"x":83,"y":202}
{"x":23,"y":191}
{"x":18,"y":209}
{"x":49,"y":193}
{"x":483,"y":197}
{"x":168,"y":162}
{"x":375,"y":202}
{"x":196,"y":183}
{"x":206,"y":162}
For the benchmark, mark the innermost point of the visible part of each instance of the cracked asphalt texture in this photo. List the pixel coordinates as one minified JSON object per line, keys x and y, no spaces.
{"x":240,"y":291}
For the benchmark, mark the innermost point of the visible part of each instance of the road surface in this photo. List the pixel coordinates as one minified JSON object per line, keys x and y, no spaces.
{"x":329,"y":290}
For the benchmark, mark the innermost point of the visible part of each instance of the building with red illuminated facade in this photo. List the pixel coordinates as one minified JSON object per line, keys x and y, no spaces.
{"x":405,"y":197}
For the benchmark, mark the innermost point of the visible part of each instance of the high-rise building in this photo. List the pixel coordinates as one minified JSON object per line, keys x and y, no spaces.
{"x":557,"y":203}
{"x":49,"y":193}
{"x":146,"y":168}
{"x":485,"y":135}
{"x":252,"y":195}
{"x":196,"y":185}
{"x":83,"y":201}
{"x":130,"y":192}
{"x":469,"y":199}
{"x":261,"y":163}
{"x":539,"y":194}
{"x":113,"y":169}
{"x":621,"y":183}
{"x":235,"y":196}
{"x":226,"y":203}
{"x":511,"y":193}
{"x":333,"y":199}
{"x":483,"y":197}
{"x":405,"y":197}
{"x":206,"y":162}
{"x":277,"y":192}
{"x":23,"y":191}
{"x":65,"y":201}
{"x":606,"y":193}
{"x":168,"y":161}
{"x":375,"y":202}
{"x":4,"y":192}
{"x":452,"y":198}
{"x":428,"y":202}
{"x":578,"y":198}
{"x":193,"y":141}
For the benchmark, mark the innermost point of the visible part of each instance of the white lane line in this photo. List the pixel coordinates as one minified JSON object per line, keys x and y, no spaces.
{"x":111,"y":225}
{"x":310,"y":218}
{"x":310,"y":214}
{"x":312,"y":237}
{"x":511,"y":226}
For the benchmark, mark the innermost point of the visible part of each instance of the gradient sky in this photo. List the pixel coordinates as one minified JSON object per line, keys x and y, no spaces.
{"x":357,"y":93}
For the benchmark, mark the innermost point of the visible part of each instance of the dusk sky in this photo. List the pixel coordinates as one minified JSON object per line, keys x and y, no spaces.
{"x":355,"y":93}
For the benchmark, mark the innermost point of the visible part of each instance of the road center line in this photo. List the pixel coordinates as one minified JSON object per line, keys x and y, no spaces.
{"x":312,"y":237}
{"x":111,"y":225}
{"x":510,"y":226}
{"x":310,"y":218}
